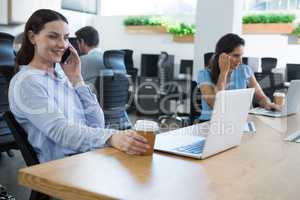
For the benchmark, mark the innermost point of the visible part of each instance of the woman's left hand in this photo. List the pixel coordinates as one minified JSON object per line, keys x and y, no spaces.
{"x":72,"y":66}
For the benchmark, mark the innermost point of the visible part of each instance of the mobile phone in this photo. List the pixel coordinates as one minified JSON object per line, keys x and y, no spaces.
{"x":65,"y":56}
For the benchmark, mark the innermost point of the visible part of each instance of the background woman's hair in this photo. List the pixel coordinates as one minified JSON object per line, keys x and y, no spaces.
{"x":226,"y":44}
{"x":35,"y":24}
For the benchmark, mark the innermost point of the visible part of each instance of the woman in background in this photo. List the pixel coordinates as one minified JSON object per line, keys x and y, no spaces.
{"x":226,"y":72}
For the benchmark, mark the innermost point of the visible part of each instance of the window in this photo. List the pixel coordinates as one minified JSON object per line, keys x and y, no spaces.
{"x":271,"y":5}
{"x":146,"y":7}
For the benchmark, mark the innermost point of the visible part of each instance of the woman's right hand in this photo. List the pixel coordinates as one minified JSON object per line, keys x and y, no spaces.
{"x":224,"y":63}
{"x":130,"y":142}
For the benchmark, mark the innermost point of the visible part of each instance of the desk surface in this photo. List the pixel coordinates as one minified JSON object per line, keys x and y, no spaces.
{"x":262,"y":167}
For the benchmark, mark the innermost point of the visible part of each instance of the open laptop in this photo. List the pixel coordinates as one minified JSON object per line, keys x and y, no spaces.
{"x":292,"y":103}
{"x":222,"y":132}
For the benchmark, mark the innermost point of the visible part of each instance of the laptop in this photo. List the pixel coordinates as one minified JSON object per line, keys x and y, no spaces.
{"x":222,"y":132}
{"x":292,"y":103}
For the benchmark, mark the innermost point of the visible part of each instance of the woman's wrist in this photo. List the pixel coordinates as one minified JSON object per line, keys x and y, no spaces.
{"x":75,"y":80}
{"x":264,"y":101}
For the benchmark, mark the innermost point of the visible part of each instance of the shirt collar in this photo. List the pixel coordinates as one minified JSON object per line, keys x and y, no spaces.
{"x":58,"y":72}
{"x":94,"y":50}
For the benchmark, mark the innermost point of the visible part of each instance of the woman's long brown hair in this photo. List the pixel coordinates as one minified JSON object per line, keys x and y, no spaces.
{"x":226,"y":44}
{"x":35,"y":24}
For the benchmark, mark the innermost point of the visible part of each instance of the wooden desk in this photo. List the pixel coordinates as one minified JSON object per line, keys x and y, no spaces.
{"x":262,"y":167}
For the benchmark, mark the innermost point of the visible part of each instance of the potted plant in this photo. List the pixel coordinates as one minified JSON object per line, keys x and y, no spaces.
{"x":268,"y":24}
{"x":144,"y":25}
{"x":182,"y":32}
{"x":296,"y":32}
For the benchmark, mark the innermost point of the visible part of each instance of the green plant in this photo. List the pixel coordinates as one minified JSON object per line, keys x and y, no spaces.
{"x":143,"y":21}
{"x":296,"y":31}
{"x":268,"y":18}
{"x":182,"y":29}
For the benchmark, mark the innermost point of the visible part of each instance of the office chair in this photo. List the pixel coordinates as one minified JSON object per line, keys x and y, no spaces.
{"x":269,"y":82}
{"x":170,"y":90}
{"x":178,"y":91}
{"x":207,"y":57}
{"x":7,"y":142}
{"x":267,"y":64}
{"x":112,"y":93}
{"x":245,"y":60}
{"x":7,"y":54}
{"x":133,"y":73}
{"x":128,"y":60}
{"x":195,"y":103}
{"x":292,"y":72}
{"x":26,"y":149}
{"x":115,"y":60}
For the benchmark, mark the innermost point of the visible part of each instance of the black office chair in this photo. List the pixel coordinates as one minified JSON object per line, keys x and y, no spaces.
{"x":7,"y":142}
{"x":195,"y":103}
{"x":245,"y":60}
{"x":112,"y":93}
{"x":267,"y":64}
{"x":128,"y":60}
{"x":7,"y":54}
{"x":269,"y":82}
{"x":207,"y":57}
{"x":27,"y":150}
{"x":292,"y":72}
{"x":115,"y":60}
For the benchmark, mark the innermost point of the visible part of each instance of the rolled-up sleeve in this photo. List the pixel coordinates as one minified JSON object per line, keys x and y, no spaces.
{"x":30,"y":100}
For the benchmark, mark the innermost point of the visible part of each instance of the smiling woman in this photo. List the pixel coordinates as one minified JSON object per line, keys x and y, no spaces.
{"x":58,"y":111}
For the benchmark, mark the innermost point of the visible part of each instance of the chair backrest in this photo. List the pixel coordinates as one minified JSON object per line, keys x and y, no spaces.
{"x":128,"y":60}
{"x":20,"y":136}
{"x":112,"y":93}
{"x":165,"y":66}
{"x":7,"y":54}
{"x":186,"y":67}
{"x":115,"y":60}
{"x":292,"y":72}
{"x":207,"y":57}
{"x":4,"y":106}
{"x":195,"y":107}
{"x":245,"y":60}
{"x":267,"y":64}
{"x":269,"y":82}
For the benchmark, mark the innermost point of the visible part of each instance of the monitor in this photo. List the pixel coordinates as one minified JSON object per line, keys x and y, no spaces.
{"x":186,"y":67}
{"x":292,"y":72}
{"x":149,"y":65}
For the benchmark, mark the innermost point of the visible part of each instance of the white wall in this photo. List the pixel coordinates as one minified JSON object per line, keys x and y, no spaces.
{"x":76,"y":19}
{"x":113,"y":36}
{"x":214,"y":19}
{"x":272,"y":46}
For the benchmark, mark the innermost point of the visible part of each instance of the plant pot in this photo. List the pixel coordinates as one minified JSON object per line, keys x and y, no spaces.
{"x":184,"y":38}
{"x":146,"y":29}
{"x":282,"y":28}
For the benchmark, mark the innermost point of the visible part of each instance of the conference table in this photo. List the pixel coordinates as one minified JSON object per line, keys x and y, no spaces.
{"x":264,"y":166}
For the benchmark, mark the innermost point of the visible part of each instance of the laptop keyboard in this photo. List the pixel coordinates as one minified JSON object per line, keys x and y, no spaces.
{"x":265,"y":111}
{"x":194,"y":148}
